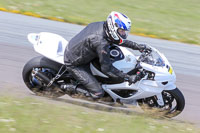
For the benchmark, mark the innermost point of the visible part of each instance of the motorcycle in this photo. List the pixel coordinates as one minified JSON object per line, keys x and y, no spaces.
{"x":44,"y":75}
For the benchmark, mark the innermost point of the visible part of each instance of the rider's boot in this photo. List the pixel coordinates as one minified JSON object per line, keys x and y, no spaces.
{"x":97,"y":95}
{"x":72,"y":89}
{"x":69,"y":88}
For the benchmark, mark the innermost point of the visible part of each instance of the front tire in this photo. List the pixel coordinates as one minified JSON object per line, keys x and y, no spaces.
{"x":49,"y":68}
{"x":174,"y":103}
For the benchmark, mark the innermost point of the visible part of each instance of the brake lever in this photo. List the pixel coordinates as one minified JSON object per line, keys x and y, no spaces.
{"x":145,"y":53}
{"x":141,"y":56}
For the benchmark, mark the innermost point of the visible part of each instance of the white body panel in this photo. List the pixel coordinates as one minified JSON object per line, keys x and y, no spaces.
{"x":129,"y":59}
{"x":50,"y":45}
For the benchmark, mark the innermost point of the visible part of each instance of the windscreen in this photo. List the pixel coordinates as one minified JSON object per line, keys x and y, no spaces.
{"x":154,"y":59}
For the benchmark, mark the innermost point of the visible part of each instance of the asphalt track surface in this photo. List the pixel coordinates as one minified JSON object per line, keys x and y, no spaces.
{"x":15,"y":51}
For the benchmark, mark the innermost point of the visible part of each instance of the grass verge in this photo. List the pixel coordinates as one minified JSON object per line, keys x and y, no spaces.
{"x":171,"y":19}
{"x":27,"y":115}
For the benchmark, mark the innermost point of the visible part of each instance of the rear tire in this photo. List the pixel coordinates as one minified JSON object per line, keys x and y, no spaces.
{"x":40,"y":62}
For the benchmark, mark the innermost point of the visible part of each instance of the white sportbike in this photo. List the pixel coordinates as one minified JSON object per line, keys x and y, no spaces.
{"x":44,"y":75}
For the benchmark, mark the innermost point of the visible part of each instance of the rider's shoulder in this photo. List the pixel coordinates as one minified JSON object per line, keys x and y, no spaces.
{"x":96,"y":23}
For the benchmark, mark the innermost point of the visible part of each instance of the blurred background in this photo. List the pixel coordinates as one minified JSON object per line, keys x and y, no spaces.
{"x":22,"y":112}
{"x":171,"y":19}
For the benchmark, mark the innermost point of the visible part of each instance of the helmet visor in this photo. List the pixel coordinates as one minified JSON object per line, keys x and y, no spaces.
{"x":123,"y":33}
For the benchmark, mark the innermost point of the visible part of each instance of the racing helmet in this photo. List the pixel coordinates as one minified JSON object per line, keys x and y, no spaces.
{"x":118,"y":27}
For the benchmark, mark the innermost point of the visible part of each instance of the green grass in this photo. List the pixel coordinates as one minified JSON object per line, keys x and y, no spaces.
{"x":27,"y":115}
{"x":167,"y":19}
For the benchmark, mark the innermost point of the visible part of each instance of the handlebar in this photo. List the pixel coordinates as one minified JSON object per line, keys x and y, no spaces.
{"x":144,"y":53}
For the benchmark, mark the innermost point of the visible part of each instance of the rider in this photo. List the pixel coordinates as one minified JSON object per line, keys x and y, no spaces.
{"x":93,"y":42}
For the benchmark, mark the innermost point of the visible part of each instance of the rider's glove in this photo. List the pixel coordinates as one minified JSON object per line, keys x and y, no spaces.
{"x":143,"y":47}
{"x":133,"y":79}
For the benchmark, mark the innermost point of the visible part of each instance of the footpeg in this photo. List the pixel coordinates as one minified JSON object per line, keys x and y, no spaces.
{"x":83,"y":91}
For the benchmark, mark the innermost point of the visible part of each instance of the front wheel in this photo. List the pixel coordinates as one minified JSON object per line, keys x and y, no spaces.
{"x":174,"y":103}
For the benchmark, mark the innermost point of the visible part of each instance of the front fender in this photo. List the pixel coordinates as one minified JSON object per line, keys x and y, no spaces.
{"x":170,"y":87}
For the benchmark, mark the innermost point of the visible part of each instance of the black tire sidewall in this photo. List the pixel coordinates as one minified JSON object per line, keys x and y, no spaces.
{"x":177,"y":94}
{"x":37,"y":62}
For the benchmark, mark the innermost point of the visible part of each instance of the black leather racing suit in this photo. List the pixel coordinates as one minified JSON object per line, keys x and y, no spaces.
{"x":87,"y":45}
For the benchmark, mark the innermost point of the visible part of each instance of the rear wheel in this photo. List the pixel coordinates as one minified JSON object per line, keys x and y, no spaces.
{"x":49,"y":69}
{"x":174,"y":104}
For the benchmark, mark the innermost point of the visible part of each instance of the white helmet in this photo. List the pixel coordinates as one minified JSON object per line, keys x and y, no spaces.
{"x":118,"y":26}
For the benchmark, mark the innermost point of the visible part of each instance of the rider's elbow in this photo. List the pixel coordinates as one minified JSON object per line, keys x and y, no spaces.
{"x":105,"y":69}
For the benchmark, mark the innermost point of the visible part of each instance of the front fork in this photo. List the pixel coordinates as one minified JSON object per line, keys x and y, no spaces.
{"x":160,"y":100}
{"x":159,"y":96}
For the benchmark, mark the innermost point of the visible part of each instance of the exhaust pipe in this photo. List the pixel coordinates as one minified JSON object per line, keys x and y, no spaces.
{"x":43,"y":78}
